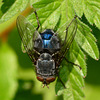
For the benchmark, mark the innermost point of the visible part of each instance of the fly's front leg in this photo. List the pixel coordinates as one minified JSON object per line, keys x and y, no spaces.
{"x":57,"y":73}
{"x":37,"y":20}
{"x":32,"y":58}
{"x":61,"y":81}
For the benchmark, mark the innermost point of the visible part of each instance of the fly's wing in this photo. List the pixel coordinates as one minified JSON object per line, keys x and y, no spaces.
{"x":28,"y":35}
{"x":69,"y":35}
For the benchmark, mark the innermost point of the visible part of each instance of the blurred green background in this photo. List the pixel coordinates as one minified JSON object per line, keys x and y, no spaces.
{"x":17,"y":77}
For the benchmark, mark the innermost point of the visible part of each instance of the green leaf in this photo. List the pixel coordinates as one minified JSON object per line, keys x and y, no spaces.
{"x":87,"y":41}
{"x":72,"y":75}
{"x":49,"y":18}
{"x":1,"y":3}
{"x":97,"y":19}
{"x":6,"y":5}
{"x":92,"y":11}
{"x":77,"y":56}
{"x":10,"y":9}
{"x":8,"y":72}
{"x":74,"y":83}
{"x":43,"y":3}
{"x":64,"y":74}
{"x":78,"y":6}
{"x":56,"y":13}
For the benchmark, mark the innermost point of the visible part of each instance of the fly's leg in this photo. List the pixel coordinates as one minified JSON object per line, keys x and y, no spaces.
{"x":60,"y":79}
{"x":32,"y":58}
{"x":61,"y":82}
{"x":31,"y":55}
{"x":72,"y":63}
{"x":37,"y":20}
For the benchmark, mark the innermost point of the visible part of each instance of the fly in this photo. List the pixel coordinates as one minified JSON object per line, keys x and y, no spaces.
{"x":45,"y":49}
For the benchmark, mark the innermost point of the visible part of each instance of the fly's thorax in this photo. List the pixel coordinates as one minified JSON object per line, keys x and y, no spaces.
{"x":45,"y":68}
{"x":47,"y":41}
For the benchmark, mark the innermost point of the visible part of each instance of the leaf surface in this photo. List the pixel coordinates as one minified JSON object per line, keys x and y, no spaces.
{"x":8,"y":72}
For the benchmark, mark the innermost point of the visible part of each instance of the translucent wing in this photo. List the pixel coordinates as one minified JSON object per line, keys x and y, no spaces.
{"x":28,"y":34}
{"x":69,"y":35}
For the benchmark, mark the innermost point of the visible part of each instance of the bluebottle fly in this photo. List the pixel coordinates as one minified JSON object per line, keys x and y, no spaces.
{"x":45,"y":49}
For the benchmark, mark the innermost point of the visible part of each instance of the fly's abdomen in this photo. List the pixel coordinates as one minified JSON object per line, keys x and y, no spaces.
{"x":45,"y":67}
